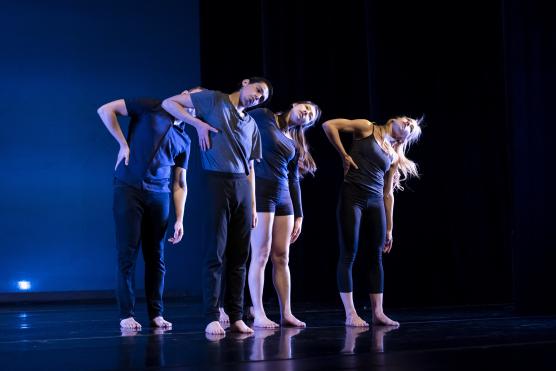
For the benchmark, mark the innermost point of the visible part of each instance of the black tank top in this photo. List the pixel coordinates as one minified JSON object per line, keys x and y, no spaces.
{"x":373,"y":164}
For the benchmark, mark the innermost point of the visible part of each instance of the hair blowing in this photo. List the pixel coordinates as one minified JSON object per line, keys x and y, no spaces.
{"x":406,"y":167}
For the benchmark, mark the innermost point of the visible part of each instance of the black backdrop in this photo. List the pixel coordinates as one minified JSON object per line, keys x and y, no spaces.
{"x":485,"y":166}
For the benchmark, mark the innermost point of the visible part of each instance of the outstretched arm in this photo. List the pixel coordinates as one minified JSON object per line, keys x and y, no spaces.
{"x":332,"y":129}
{"x":389,"y":205}
{"x":107,"y":113}
{"x":178,"y":106}
{"x":179,"y":194}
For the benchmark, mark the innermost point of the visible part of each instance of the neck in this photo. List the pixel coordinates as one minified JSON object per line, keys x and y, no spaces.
{"x":234,"y":97}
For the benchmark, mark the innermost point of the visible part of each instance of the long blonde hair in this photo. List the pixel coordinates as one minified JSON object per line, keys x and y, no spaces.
{"x":406,"y":167}
{"x":306,"y":163}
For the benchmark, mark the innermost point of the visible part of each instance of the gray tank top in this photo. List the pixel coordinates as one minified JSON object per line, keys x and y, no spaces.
{"x":373,"y":164}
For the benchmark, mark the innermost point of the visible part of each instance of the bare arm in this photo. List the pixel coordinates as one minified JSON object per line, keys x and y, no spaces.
{"x":389,"y":205}
{"x":332,"y":129}
{"x":177,"y":106}
{"x":251,"y":178}
{"x":107,"y":113}
{"x":179,"y":194}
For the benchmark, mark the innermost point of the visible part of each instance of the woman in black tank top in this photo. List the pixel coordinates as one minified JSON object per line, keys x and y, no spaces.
{"x":374,"y":167}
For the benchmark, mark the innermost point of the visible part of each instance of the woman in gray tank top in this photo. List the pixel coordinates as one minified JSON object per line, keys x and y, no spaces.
{"x":374,"y":167}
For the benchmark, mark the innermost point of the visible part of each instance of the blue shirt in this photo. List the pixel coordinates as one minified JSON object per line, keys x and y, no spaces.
{"x":156,"y":145}
{"x":238,"y":140}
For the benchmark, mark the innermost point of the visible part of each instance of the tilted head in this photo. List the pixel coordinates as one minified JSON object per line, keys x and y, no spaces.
{"x":254,"y":91}
{"x":303,"y":114}
{"x":404,"y":130}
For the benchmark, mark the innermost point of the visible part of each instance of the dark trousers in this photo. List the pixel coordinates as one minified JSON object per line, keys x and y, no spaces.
{"x":361,"y":222}
{"x":227,"y":239}
{"x":141,"y":220}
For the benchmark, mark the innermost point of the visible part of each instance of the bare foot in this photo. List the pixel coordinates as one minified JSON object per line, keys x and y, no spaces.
{"x":240,"y":326}
{"x":130,"y":323}
{"x":353,"y":320}
{"x":214,"y":328}
{"x":381,"y":319}
{"x":264,"y":322}
{"x":290,"y":321}
{"x":224,"y":318}
{"x":161,"y":322}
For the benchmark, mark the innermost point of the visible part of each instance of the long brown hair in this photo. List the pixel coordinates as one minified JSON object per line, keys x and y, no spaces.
{"x":306,"y":163}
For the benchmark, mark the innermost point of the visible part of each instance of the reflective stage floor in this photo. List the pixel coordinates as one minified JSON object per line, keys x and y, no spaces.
{"x":87,"y":337}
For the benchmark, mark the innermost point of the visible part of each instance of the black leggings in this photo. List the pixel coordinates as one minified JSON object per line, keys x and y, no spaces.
{"x":361,"y":222}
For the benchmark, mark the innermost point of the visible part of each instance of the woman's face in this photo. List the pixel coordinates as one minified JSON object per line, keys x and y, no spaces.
{"x":302,"y":114}
{"x":401,"y":128}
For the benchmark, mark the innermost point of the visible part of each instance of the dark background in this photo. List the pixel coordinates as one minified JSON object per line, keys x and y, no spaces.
{"x":474,"y":229}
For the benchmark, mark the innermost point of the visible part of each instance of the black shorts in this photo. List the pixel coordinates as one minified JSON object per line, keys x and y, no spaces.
{"x":272,"y":197}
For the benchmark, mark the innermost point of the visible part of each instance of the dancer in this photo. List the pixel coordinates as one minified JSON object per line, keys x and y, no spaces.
{"x":374,"y":168}
{"x":279,"y":210}
{"x":156,"y":146}
{"x":227,"y":157}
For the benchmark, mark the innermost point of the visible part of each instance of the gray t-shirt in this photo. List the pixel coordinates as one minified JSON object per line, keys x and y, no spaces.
{"x":238,"y":140}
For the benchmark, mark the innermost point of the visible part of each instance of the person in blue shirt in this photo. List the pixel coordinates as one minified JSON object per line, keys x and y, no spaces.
{"x":374,"y":167}
{"x":286,"y":156}
{"x":230,"y":143}
{"x":150,"y":166}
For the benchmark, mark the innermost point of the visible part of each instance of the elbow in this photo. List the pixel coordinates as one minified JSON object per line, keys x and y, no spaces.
{"x":326,"y":126}
{"x":389,"y":197}
{"x":167,"y":104}
{"x":102,"y":110}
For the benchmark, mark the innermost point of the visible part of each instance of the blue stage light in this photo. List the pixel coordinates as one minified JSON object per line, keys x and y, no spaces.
{"x":24,"y":285}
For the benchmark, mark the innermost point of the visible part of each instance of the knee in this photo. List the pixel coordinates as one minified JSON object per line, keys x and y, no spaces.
{"x":346,"y":258}
{"x":280,"y":259}
{"x":261,"y":257}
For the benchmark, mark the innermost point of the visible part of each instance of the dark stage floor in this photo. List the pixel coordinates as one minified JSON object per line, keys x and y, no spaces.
{"x":87,"y":337}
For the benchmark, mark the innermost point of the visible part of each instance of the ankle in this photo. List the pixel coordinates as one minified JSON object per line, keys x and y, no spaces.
{"x":351,"y":313}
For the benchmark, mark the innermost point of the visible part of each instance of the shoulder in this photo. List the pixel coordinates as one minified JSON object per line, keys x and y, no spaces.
{"x":261,"y":114}
{"x":139,"y":106}
{"x":143,"y":102}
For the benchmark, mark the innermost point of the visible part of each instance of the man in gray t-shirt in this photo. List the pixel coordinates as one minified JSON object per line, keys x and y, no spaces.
{"x":229,"y":141}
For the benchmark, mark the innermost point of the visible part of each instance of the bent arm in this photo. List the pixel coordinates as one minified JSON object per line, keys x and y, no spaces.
{"x":332,"y":129}
{"x":107,"y":113}
{"x":177,"y":106}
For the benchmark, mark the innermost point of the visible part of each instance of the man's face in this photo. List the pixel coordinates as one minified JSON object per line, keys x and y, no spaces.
{"x":252,"y":94}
